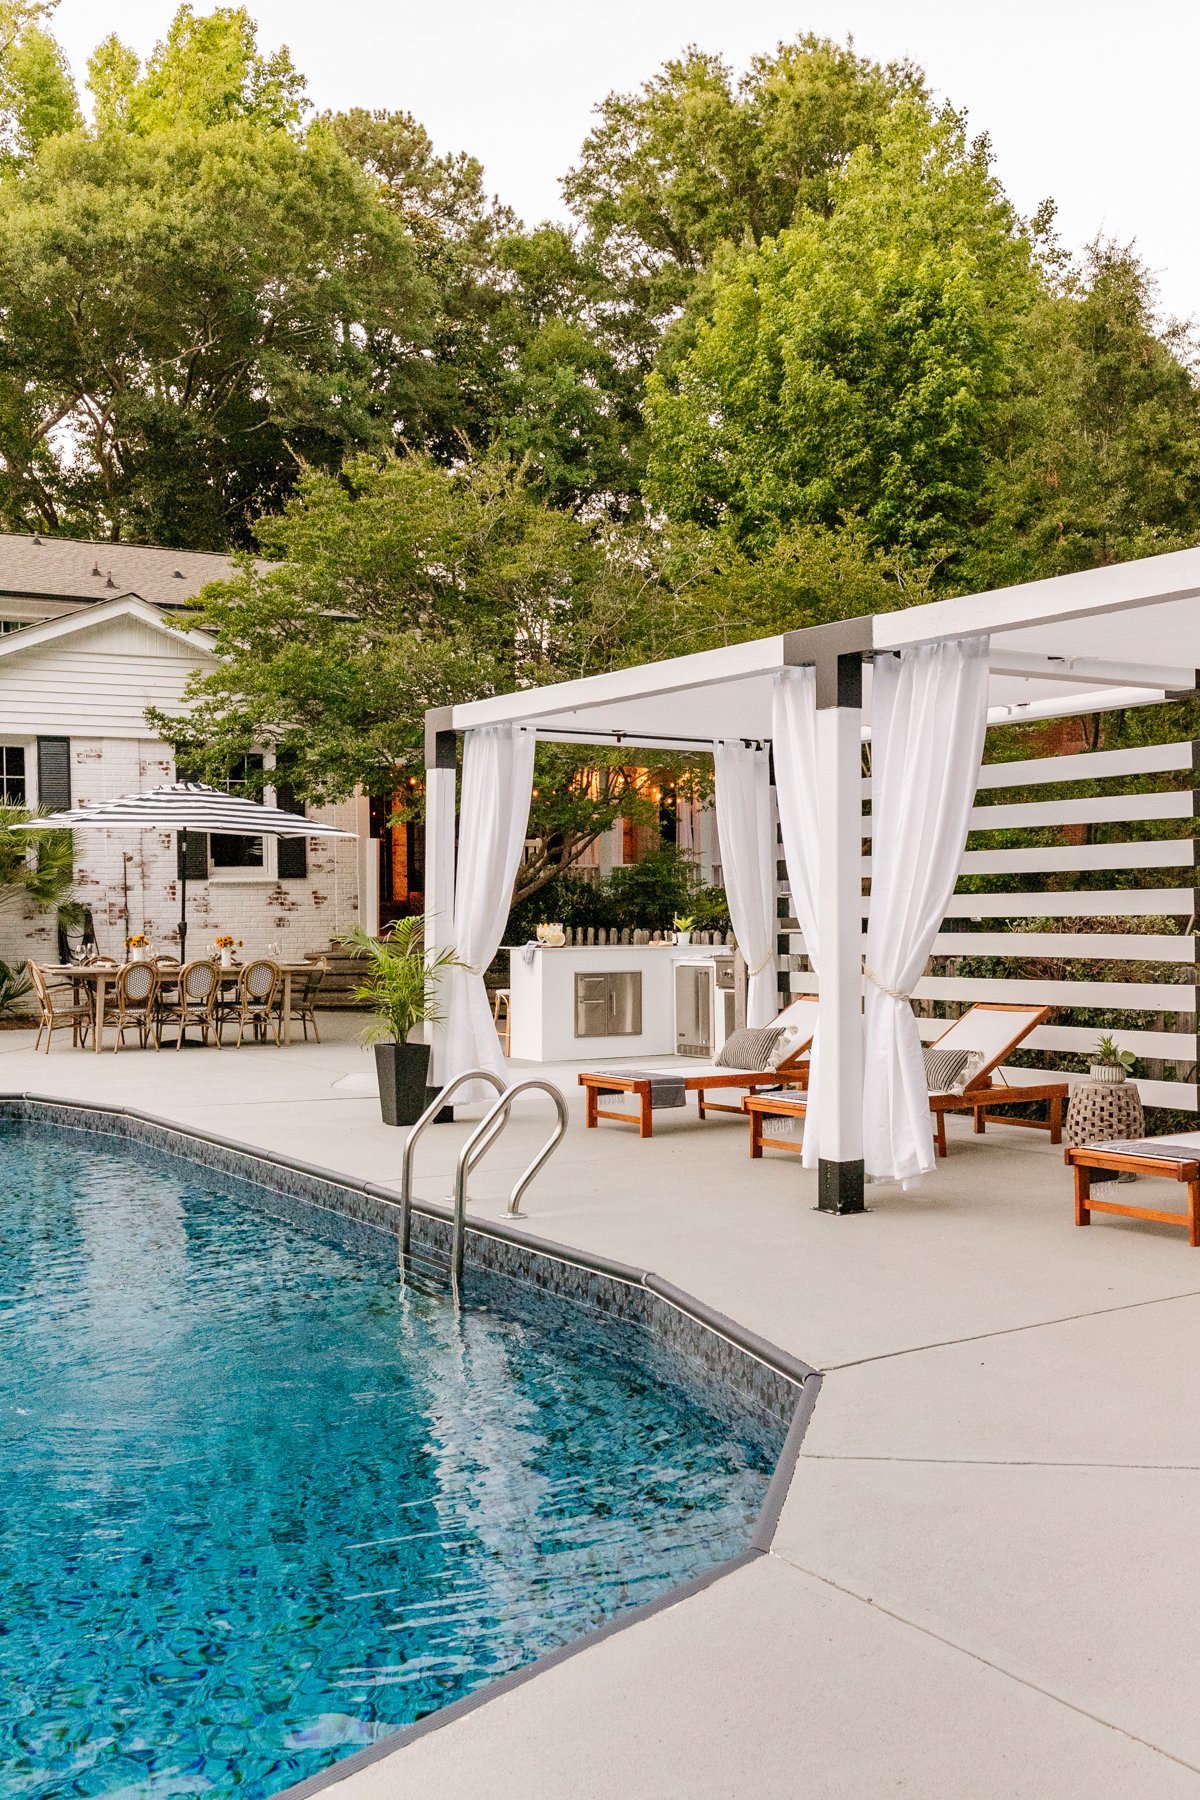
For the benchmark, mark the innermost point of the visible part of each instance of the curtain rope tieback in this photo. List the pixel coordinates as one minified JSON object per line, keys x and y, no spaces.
{"x":883,"y":987}
{"x":763,"y":964}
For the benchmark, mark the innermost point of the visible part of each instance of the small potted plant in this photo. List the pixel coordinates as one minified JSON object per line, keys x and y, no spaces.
{"x":683,"y":927}
{"x":1110,"y":1063}
{"x":138,"y":946}
{"x":400,"y":986}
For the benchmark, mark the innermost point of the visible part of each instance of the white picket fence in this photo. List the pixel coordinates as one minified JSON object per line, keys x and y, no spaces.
{"x":997,"y":925}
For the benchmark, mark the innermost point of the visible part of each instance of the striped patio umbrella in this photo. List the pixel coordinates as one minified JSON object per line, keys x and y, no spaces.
{"x":181,"y":807}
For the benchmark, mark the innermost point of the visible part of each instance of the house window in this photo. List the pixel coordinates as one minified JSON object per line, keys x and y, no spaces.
{"x":12,"y":774}
{"x":225,"y":850}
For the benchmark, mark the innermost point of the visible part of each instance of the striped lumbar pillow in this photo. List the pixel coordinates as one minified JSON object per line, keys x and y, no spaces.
{"x":945,"y":1070}
{"x":750,"y":1048}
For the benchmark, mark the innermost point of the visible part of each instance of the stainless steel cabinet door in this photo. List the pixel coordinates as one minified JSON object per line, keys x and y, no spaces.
{"x":609,"y":1004}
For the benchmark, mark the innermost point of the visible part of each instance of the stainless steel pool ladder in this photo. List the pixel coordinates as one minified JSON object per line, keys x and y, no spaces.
{"x":476,"y":1147}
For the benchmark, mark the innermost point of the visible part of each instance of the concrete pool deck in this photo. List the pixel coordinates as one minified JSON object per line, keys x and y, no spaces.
{"x":985,"y":1579}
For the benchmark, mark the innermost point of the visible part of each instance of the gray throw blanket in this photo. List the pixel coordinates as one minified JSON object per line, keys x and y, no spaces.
{"x":665,"y":1089}
{"x":1163,"y":1149}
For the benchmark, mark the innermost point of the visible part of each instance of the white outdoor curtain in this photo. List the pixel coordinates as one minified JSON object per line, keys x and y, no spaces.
{"x":794,"y":734}
{"x":746,"y":828}
{"x":929,"y":715}
{"x":496,"y":786}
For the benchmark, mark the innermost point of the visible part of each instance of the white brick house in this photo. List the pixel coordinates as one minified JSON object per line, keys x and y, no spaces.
{"x":77,"y":672}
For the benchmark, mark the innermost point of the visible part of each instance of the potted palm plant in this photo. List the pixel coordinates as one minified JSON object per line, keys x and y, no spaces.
{"x":400,"y":986}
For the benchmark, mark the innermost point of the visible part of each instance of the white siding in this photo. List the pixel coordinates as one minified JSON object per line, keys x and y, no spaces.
{"x":98,"y":681}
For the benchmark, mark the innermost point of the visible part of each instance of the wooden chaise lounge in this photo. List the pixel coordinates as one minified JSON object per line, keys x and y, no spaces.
{"x":994,"y":1029}
{"x":798,"y":1018}
{"x":991,"y":1030}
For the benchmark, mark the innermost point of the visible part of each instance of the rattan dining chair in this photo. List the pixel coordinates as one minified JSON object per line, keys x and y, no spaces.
{"x":137,"y":1004}
{"x":60,"y":1005}
{"x":195,"y":1001}
{"x":257,"y":1001}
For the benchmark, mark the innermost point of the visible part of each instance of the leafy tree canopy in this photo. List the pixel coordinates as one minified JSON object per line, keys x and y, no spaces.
{"x":182,"y":316}
{"x":37,"y":95}
{"x":1098,"y":458}
{"x":695,"y":161}
{"x":854,"y":365}
{"x":206,"y":71}
{"x":399,"y":585}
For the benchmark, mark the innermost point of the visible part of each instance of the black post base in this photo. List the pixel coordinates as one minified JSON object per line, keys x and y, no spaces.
{"x":840,"y":1187}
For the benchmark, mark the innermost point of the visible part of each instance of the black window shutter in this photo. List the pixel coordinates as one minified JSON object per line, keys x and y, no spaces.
{"x":197,"y":856}
{"x":54,"y":773}
{"x":293,"y":851}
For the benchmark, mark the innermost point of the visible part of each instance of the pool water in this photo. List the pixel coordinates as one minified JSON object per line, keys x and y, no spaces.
{"x":262,"y":1504}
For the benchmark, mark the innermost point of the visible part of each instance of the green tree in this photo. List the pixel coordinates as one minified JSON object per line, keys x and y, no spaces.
{"x":187,"y":315}
{"x":37,"y":96}
{"x":206,"y":71}
{"x":521,"y":356}
{"x":1099,"y":456}
{"x":854,"y":366}
{"x":401,"y":585}
{"x":693,"y":162}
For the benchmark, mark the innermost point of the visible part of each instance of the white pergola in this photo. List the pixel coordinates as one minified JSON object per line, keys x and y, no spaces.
{"x":1103,"y":639}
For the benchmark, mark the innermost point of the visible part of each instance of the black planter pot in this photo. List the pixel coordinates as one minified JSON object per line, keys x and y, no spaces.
{"x":403,"y":1070}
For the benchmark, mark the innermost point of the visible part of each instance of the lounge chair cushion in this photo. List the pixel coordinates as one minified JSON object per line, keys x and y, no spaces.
{"x":749,"y":1048}
{"x":948,"y":1071}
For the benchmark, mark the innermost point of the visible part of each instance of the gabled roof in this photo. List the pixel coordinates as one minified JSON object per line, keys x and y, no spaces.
{"x":75,"y":569}
{"x":125,"y":606}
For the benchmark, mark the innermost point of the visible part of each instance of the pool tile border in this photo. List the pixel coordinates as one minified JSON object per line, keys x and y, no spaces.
{"x":760,"y":1375}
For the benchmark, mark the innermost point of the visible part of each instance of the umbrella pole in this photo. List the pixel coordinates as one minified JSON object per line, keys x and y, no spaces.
{"x":183,"y":868}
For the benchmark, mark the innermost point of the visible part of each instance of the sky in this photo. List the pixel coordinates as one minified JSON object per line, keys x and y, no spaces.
{"x":1091,"y":103}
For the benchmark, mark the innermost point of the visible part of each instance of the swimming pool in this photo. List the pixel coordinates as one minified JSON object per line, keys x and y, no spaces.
{"x":263,"y":1504}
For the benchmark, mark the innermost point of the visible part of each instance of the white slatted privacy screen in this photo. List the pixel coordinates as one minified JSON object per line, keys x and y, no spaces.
{"x":1103,"y":931}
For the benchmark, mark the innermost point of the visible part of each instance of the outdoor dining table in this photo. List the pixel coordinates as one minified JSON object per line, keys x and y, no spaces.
{"x":100,"y":977}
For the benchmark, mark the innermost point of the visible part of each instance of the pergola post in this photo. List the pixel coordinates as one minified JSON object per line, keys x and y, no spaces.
{"x":441,"y":808}
{"x":839,"y":922}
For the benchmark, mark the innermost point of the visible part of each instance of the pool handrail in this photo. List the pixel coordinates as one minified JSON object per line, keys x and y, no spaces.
{"x":481,"y":1140}
{"x":427,"y":1117}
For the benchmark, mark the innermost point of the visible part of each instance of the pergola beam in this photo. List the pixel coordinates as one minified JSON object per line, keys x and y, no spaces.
{"x":1089,"y":670}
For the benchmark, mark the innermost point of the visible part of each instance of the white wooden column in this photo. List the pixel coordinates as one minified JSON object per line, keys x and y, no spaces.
{"x":839,"y":924}
{"x":441,"y":809}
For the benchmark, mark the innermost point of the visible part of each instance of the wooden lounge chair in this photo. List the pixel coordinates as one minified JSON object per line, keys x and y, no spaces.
{"x":799,"y":1018}
{"x":994,"y":1029}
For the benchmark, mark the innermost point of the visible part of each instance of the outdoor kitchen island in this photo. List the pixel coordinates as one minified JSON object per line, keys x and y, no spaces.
{"x":601,"y":1000}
